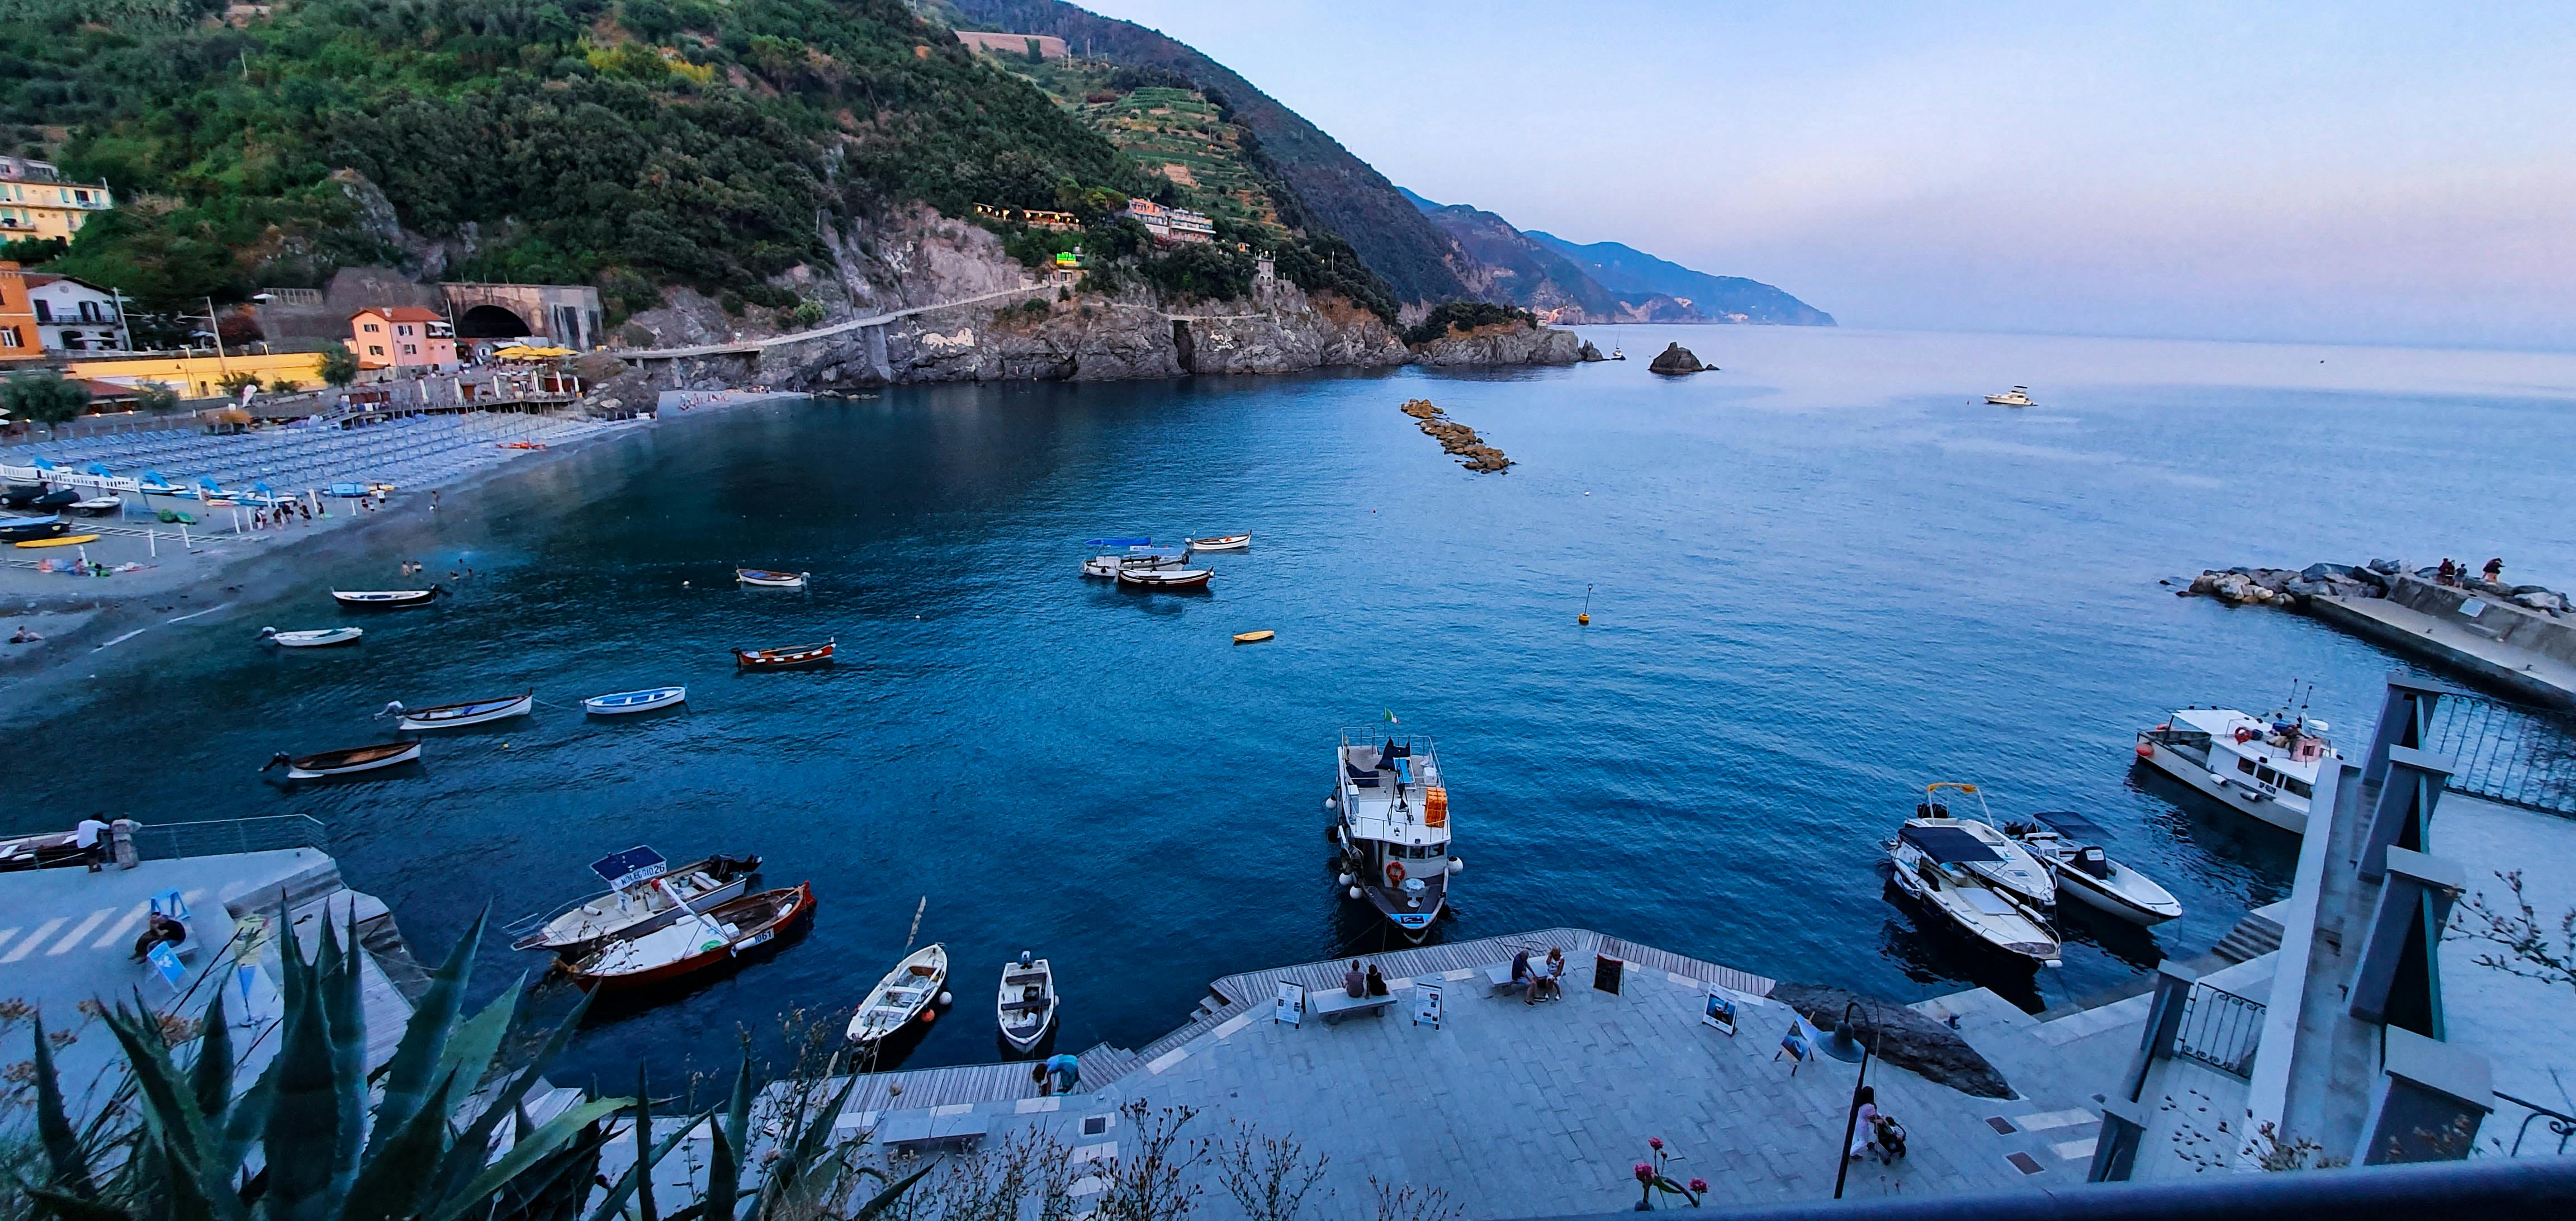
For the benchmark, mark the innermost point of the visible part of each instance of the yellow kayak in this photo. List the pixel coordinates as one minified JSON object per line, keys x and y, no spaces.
{"x":65,"y":541}
{"x":1239,"y":637}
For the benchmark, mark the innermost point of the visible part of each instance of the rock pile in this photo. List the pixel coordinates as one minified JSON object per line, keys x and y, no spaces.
{"x":1588,"y":354}
{"x":1677,"y":359}
{"x":2291,"y":588}
{"x":1456,"y":438}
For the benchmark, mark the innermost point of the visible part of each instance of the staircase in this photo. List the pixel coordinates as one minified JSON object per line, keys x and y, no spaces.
{"x":2253,"y":937}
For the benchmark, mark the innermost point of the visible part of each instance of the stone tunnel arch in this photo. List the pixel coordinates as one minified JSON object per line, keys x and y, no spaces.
{"x":490,"y":322}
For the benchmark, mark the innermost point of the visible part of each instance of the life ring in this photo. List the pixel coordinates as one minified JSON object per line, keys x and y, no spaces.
{"x":1395,"y":873}
{"x":2244,"y":734}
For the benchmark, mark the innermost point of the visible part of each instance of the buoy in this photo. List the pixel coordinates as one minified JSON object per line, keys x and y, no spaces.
{"x":1346,"y":878}
{"x":947,"y":998}
{"x":2146,"y":750}
{"x":1586,"y":616}
{"x":1456,"y":866}
{"x":928,"y":1016}
{"x":1332,"y":802}
{"x":1355,"y":892}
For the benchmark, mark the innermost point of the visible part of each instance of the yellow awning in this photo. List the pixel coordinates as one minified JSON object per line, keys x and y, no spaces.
{"x":520,"y":351}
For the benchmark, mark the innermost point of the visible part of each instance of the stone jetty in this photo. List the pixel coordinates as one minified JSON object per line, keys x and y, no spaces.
{"x":2520,"y":639}
{"x":2292,"y":587}
{"x":1456,"y":438}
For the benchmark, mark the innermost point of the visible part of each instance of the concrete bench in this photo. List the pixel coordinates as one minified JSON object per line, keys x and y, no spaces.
{"x":1334,"y":1004}
{"x":928,"y":1127}
{"x":1499,"y":981}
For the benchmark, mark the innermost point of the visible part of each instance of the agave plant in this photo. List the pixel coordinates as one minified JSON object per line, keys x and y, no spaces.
{"x":808,"y":1172}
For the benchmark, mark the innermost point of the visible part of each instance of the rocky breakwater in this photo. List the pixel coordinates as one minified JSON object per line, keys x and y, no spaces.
{"x":2290,"y":588}
{"x":1456,"y":438}
{"x":1676,"y":360}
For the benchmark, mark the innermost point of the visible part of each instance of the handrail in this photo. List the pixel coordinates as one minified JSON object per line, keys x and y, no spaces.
{"x":2559,"y":1122}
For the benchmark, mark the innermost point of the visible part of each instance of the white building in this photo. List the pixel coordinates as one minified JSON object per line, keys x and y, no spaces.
{"x":1171,"y":224}
{"x":74,"y":316}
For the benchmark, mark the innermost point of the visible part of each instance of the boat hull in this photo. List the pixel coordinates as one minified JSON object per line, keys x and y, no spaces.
{"x":583,"y":947}
{"x":478,"y":712}
{"x":797,"y":905}
{"x":794,"y":657}
{"x":1022,"y":1031}
{"x":321,"y":639}
{"x":770,"y":580}
{"x":2210,"y":784}
{"x":340,"y":763}
{"x":385,"y":599}
{"x":622,"y":703}
{"x":1190,"y":578}
{"x":922,"y":974}
{"x":2082,"y":888}
{"x":1231,"y":542}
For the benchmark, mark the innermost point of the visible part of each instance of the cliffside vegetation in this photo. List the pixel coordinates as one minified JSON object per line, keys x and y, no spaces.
{"x":1463,"y":316}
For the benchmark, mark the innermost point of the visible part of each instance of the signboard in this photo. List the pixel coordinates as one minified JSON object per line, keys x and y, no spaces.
{"x":1799,"y":1044}
{"x":166,"y":961}
{"x":1289,"y":1005}
{"x":2471,"y":608}
{"x":1719,"y":1011}
{"x":1426,"y":1005}
{"x":1606,"y":972}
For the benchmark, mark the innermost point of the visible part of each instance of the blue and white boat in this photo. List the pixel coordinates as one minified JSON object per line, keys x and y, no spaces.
{"x":624,"y":702}
{"x":1389,"y":814}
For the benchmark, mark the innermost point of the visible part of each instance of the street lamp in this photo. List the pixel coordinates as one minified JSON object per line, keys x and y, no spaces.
{"x":1842,"y":1046}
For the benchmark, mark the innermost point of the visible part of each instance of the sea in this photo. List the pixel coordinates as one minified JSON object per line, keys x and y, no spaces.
{"x":1818,"y":578}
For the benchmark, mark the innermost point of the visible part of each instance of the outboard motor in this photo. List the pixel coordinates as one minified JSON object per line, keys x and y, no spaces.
{"x":1931,"y":809}
{"x":2093,"y":863}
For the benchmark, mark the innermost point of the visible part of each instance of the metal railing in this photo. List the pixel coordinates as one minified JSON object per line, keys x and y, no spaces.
{"x":2220,"y":1029}
{"x":166,"y":841}
{"x":2507,"y":753}
{"x":2559,"y":1124}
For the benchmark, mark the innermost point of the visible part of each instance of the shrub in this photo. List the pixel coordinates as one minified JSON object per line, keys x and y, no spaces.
{"x":44,"y":397}
{"x":808,"y":314}
{"x":339,"y":366}
{"x":1465,"y":316}
{"x":156,"y":398}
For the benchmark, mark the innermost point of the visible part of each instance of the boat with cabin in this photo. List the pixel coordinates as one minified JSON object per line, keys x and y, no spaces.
{"x":345,"y":762}
{"x":644,"y":893}
{"x":2263,"y":766}
{"x":459,"y":715}
{"x":23,"y":529}
{"x":380,"y":599}
{"x":1027,"y":1002}
{"x":1936,"y":861}
{"x":906,"y":992}
{"x":2014,"y":869}
{"x":700,"y":940}
{"x":1137,"y":556}
{"x":316,"y":638}
{"x":2018,"y":396}
{"x":2071,"y":846}
{"x":1389,"y":815}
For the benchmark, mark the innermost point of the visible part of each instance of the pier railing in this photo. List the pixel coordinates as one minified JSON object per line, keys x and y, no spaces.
{"x":2556,"y":1128}
{"x":2220,"y":1029}
{"x":2507,"y":753}
{"x":165,"y":841}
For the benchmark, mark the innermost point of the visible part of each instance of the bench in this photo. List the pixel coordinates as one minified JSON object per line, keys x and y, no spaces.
{"x":1334,"y":1004}
{"x":927,"y":1127}
{"x":1499,"y":981}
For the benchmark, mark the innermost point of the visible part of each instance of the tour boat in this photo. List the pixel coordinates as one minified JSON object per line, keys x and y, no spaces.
{"x":98,"y":506}
{"x":643,"y":894}
{"x":345,"y":762}
{"x":770,"y":580}
{"x":2018,"y":396}
{"x":378,"y":598}
{"x":1935,"y":862}
{"x":1165,"y":578}
{"x":698,"y":940}
{"x":2069,"y":844}
{"x":1226,"y":542}
{"x":905,"y":993}
{"x":321,"y":637}
{"x":624,"y":702}
{"x":470,"y":712}
{"x":68,"y":540}
{"x":2263,"y":766}
{"x":1253,"y":637}
{"x":2014,"y":868}
{"x":1389,"y":813}
{"x":1026,"y":1006}
{"x":786,"y":658}
{"x":1138,"y":557}
{"x":19,"y":529}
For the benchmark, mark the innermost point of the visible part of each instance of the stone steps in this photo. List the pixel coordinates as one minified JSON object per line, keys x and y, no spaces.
{"x":2253,"y":937}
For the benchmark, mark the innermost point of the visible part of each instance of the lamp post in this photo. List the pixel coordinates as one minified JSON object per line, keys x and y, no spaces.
{"x":1842,"y":1046}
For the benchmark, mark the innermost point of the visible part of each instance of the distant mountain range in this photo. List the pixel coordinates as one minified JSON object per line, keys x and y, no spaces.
{"x":1603,"y":281}
{"x":1627,"y":270}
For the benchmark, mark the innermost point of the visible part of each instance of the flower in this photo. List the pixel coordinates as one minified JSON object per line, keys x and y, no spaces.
{"x":1644,"y":1172}
{"x":1655,"y":1143}
{"x":1698,"y":1185}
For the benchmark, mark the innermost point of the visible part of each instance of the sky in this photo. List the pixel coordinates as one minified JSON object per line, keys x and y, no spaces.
{"x":2351,"y":173}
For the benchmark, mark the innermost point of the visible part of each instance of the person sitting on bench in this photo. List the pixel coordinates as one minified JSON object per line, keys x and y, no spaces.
{"x":1376,"y":982}
{"x":1520,"y":969}
{"x":1354,"y":982}
{"x":162,"y":930}
{"x":1547,"y":982}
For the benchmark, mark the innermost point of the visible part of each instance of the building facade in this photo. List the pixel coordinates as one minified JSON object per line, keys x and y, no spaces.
{"x":1171,"y":224}
{"x":36,"y":202}
{"x":18,"y":338}
{"x":200,"y":373}
{"x":402,"y":337}
{"x":76,"y":316}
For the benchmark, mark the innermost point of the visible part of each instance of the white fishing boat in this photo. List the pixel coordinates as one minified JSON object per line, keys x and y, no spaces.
{"x":99,"y":506}
{"x":905,"y":993}
{"x":1026,"y":1006}
{"x":471,"y":712}
{"x":1935,"y":862}
{"x":1165,"y":578}
{"x":2263,"y":766}
{"x":2014,"y":869}
{"x":2070,"y":845}
{"x":766,"y":579}
{"x":1138,"y":556}
{"x":314,"y":639}
{"x":701,"y":940}
{"x":344,"y":762}
{"x":623,"y":702}
{"x":644,"y":893}
{"x":1222,"y":542}
{"x":1389,"y":813}
{"x":382,"y":598}
{"x":2018,"y":396}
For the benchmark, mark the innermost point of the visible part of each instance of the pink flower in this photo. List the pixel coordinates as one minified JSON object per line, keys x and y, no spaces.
{"x":1644,"y":1172}
{"x":1699,"y":1186}
{"x":1655,"y":1143}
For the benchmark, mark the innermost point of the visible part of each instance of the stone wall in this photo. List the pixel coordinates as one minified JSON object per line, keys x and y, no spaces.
{"x":2499,"y":619}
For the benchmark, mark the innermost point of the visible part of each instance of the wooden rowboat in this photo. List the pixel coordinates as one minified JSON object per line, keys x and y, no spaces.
{"x":787,"y":658}
{"x":314,"y":639}
{"x":1159,"y":578}
{"x":1223,"y":542}
{"x":904,"y":994}
{"x":65,"y":541}
{"x":1253,"y":637}
{"x":379,"y":598}
{"x":770,"y":580}
{"x":470,"y":712}
{"x":1027,"y":1003}
{"x":345,"y":762}
{"x":692,"y":944}
{"x":624,"y":702}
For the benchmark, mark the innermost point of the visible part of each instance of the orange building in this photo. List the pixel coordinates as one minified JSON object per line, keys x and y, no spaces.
{"x":19,"y":339}
{"x":402,"y":337}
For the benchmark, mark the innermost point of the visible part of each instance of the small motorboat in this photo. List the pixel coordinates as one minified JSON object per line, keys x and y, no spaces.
{"x":643,"y":894}
{"x":788,"y":658}
{"x":317,"y":638}
{"x":1165,"y":578}
{"x":1934,"y":862}
{"x":470,"y":712}
{"x":2070,"y":845}
{"x":2014,"y":869}
{"x":20,"y":529}
{"x":385,"y":598}
{"x":1027,"y":1003}
{"x":59,"y":498}
{"x":696,"y":941}
{"x":766,"y":579}
{"x":1223,"y":542}
{"x":624,"y":702}
{"x":1253,"y":637}
{"x":68,"y":540}
{"x":1136,"y":558}
{"x":20,"y":495}
{"x":345,"y":762}
{"x":905,"y":993}
{"x":99,"y":506}
{"x":2018,"y":396}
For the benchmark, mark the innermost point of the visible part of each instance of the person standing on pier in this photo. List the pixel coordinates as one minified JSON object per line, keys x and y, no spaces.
{"x":91,"y":838}
{"x":2495,"y":571}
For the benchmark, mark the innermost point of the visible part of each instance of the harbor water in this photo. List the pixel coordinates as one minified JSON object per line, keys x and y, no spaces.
{"x":1819,"y":578}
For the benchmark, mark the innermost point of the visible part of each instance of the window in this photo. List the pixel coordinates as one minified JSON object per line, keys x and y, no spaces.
{"x":411,"y":349}
{"x":374,"y":349}
{"x":402,"y":330}
{"x":44,"y":310}
{"x":2267,"y":776}
{"x":372,"y":328}
{"x":9,"y":338}
{"x":2299,"y":787}
{"x":89,"y":311}
{"x":2245,"y":765}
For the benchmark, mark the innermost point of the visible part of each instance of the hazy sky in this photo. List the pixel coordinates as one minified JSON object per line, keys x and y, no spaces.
{"x":2341,"y":172}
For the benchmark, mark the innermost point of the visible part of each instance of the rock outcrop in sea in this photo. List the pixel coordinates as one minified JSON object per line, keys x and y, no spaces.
{"x":1456,"y":438}
{"x":1677,"y":359}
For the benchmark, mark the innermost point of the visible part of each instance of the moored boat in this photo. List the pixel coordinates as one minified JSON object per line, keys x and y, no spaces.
{"x":766,"y":579}
{"x":345,"y":762}
{"x":1027,"y":1003}
{"x":1165,"y":578}
{"x":1935,"y":860}
{"x":382,"y":598}
{"x":2018,"y":396}
{"x":2014,"y":869}
{"x":59,"y":498}
{"x":316,"y":638}
{"x":643,"y":894}
{"x":699,"y":940}
{"x":98,"y":506}
{"x":469,"y":712}
{"x":1389,"y":813}
{"x":904,"y":994}
{"x":624,"y":702}
{"x":1222,"y":542}
{"x":788,"y":657}
{"x":2263,"y":766}
{"x":20,"y":529}
{"x":2070,"y":845}
{"x":1137,"y":556}
{"x":1253,"y":637}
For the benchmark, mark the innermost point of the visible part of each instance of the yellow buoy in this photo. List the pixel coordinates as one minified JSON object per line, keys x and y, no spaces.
{"x":1585,"y":617}
{"x":1253,"y":637}
{"x":65,"y":541}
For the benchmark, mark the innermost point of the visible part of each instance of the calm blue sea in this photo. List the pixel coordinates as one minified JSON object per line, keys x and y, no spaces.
{"x":1818,"y":579}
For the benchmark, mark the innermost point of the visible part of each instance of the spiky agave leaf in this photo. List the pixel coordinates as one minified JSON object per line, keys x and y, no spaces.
{"x":401,"y":1162}
{"x":474,"y":1146}
{"x":883,"y":1200}
{"x":554,"y":1187}
{"x":301,"y":1137}
{"x":471,"y":1047}
{"x":793,"y":1178}
{"x":414,"y":1069}
{"x":554,"y":1135}
{"x":54,"y":1126}
{"x":724,"y":1178}
{"x":170,"y":1108}
{"x":338,"y":975}
{"x":211,"y":1077}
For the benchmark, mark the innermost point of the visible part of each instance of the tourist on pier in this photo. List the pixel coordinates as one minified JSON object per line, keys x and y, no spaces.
{"x":1353,"y":981}
{"x":1521,"y":970}
{"x":1066,"y":1070}
{"x":162,"y":930}
{"x":1376,"y":982}
{"x":1865,"y":1132}
{"x":2447,"y":574}
{"x":2495,"y":570}
{"x":91,"y":838}
{"x":1548,"y":983}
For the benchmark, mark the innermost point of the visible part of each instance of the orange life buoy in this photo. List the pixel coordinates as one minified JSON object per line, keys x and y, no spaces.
{"x":2146,"y":750}
{"x":1395,"y":873}
{"x":2244,"y":734}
